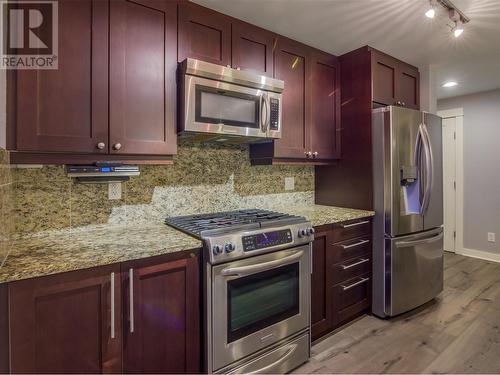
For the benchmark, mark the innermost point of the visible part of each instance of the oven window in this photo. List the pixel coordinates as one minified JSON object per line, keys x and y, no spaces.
{"x":217,"y":106}
{"x":260,"y":300}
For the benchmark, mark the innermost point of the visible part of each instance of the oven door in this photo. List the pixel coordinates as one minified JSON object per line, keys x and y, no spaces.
{"x":223,"y":108}
{"x":257,"y":302}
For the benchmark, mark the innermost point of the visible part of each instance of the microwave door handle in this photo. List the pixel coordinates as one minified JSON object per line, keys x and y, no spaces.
{"x":254,"y":268}
{"x":268,"y":112}
{"x":263,"y":119}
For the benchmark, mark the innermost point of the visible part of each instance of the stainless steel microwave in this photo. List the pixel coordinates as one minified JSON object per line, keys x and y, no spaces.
{"x":222,"y":104}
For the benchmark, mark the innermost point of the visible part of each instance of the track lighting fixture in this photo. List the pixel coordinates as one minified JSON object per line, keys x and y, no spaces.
{"x":458,"y":18}
{"x":431,"y":12}
{"x":458,"y":29}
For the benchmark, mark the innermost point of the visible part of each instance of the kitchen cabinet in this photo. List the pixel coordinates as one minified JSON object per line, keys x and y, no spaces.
{"x":252,"y":48}
{"x":143,"y":63}
{"x":369,"y":79}
{"x":204,"y":34}
{"x":99,"y":103}
{"x":67,"y":323}
{"x":394,"y":82}
{"x":162,"y":310}
{"x":341,"y":278}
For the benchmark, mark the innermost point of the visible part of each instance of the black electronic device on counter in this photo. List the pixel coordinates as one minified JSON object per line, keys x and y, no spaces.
{"x":102,"y":172}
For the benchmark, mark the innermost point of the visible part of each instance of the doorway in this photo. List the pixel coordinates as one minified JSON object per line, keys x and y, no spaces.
{"x":452,"y":156}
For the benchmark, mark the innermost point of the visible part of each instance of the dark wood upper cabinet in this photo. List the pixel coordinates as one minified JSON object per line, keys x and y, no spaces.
{"x":252,"y":48}
{"x":291,"y":64}
{"x":143,"y":62}
{"x":324,"y":127}
{"x":65,"y":323}
{"x":394,"y":82}
{"x":204,"y":34}
{"x":163,"y":333}
{"x":66,"y":110}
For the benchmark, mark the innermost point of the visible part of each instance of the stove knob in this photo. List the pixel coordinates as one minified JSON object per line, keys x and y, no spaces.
{"x":302,"y":232}
{"x":229,"y":247}
{"x":217,"y":249}
{"x":310,"y":231}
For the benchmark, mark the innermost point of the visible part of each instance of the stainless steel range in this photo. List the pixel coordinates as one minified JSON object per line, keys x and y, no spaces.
{"x":257,"y":281}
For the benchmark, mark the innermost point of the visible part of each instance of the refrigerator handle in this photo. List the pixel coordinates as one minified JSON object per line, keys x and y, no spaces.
{"x":429,"y":169}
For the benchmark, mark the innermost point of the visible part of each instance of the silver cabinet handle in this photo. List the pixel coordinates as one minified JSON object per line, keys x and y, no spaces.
{"x":361,"y":261}
{"x":362,"y":242}
{"x":345,"y":226}
{"x":269,"y":368}
{"x":101,"y":145}
{"x":117,"y":146}
{"x":247,"y":270}
{"x":112,"y":305}
{"x":131,"y":300}
{"x":315,"y":154}
{"x":308,"y":154}
{"x":347,"y":287}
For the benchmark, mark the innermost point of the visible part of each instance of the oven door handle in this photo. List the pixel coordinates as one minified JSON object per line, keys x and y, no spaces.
{"x":269,"y":369}
{"x":247,"y":270}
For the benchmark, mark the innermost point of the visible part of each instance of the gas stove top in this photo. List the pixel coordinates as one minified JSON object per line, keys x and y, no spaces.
{"x":204,"y":225}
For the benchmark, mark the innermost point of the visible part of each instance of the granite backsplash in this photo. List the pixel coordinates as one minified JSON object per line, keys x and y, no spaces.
{"x":203,"y":178}
{"x":6,"y":205}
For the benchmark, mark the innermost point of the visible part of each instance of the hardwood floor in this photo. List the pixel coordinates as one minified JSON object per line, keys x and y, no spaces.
{"x":459,"y":332}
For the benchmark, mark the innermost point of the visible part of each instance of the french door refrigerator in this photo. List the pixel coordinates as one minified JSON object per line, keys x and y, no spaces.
{"x":408,"y":202}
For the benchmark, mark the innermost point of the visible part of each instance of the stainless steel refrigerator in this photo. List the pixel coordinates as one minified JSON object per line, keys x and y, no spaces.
{"x":408,"y":201}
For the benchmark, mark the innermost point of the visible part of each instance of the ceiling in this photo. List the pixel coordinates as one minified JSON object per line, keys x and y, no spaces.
{"x":397,"y":27}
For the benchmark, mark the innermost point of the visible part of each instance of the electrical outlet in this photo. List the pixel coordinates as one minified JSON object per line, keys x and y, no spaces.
{"x":491,"y":237}
{"x":115,"y":190}
{"x":289,"y":183}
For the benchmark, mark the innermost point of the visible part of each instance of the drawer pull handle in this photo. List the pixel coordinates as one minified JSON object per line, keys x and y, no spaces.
{"x":347,"y":287}
{"x":361,"y":261}
{"x":345,"y":226}
{"x":362,"y":242}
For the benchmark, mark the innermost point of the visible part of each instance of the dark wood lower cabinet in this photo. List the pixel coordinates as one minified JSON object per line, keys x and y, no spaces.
{"x":73,"y":322}
{"x":162,"y":335}
{"x":65,"y":323}
{"x":341,"y":279}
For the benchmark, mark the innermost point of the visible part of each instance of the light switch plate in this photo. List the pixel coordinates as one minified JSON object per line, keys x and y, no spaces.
{"x":491,"y":237}
{"x":289,"y":183}
{"x":115,"y":190}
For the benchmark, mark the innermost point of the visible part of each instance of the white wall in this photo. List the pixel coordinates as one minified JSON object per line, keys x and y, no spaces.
{"x":481,"y":167}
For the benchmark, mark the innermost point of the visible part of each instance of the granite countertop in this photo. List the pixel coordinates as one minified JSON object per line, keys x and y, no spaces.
{"x":50,"y":252}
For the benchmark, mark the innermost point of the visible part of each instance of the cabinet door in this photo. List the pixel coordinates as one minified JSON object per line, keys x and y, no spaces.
{"x":384,"y":71}
{"x":252,"y":48}
{"x":324,"y":128}
{"x":321,"y":283}
{"x":204,"y":34}
{"x":162,"y":334}
{"x":408,"y":92}
{"x":68,"y":323}
{"x":67,"y":109}
{"x":142,"y":77}
{"x":291,"y":64}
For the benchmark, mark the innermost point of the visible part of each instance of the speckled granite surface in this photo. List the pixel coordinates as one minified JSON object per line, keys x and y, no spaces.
{"x":58,"y":251}
{"x":6,"y":205}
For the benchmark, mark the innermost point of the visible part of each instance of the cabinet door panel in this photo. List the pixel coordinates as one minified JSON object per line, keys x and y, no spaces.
{"x":67,"y":109}
{"x":252,"y":48}
{"x":204,"y":34}
{"x":62,"y":323}
{"x":166,"y":337}
{"x":383,"y":79}
{"x":142,"y":77}
{"x":408,"y":86}
{"x":325,"y":106}
{"x":350,"y":298}
{"x":291,"y":65}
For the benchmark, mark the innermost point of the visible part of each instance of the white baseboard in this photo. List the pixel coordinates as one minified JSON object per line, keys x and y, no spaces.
{"x":485,"y":255}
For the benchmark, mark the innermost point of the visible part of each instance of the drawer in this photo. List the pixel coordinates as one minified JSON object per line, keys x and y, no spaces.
{"x":351,"y":268}
{"x":345,"y":250}
{"x":351,"y":297}
{"x":351,"y":229}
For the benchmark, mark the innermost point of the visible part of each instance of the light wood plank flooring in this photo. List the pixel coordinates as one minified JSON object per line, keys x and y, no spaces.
{"x":459,"y":332}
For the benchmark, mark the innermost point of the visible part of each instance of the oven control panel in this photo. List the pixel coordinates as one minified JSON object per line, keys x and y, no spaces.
{"x":267,"y":239}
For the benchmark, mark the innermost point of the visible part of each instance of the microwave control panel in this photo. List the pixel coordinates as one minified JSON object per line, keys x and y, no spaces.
{"x":275,"y":113}
{"x":262,"y":240}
